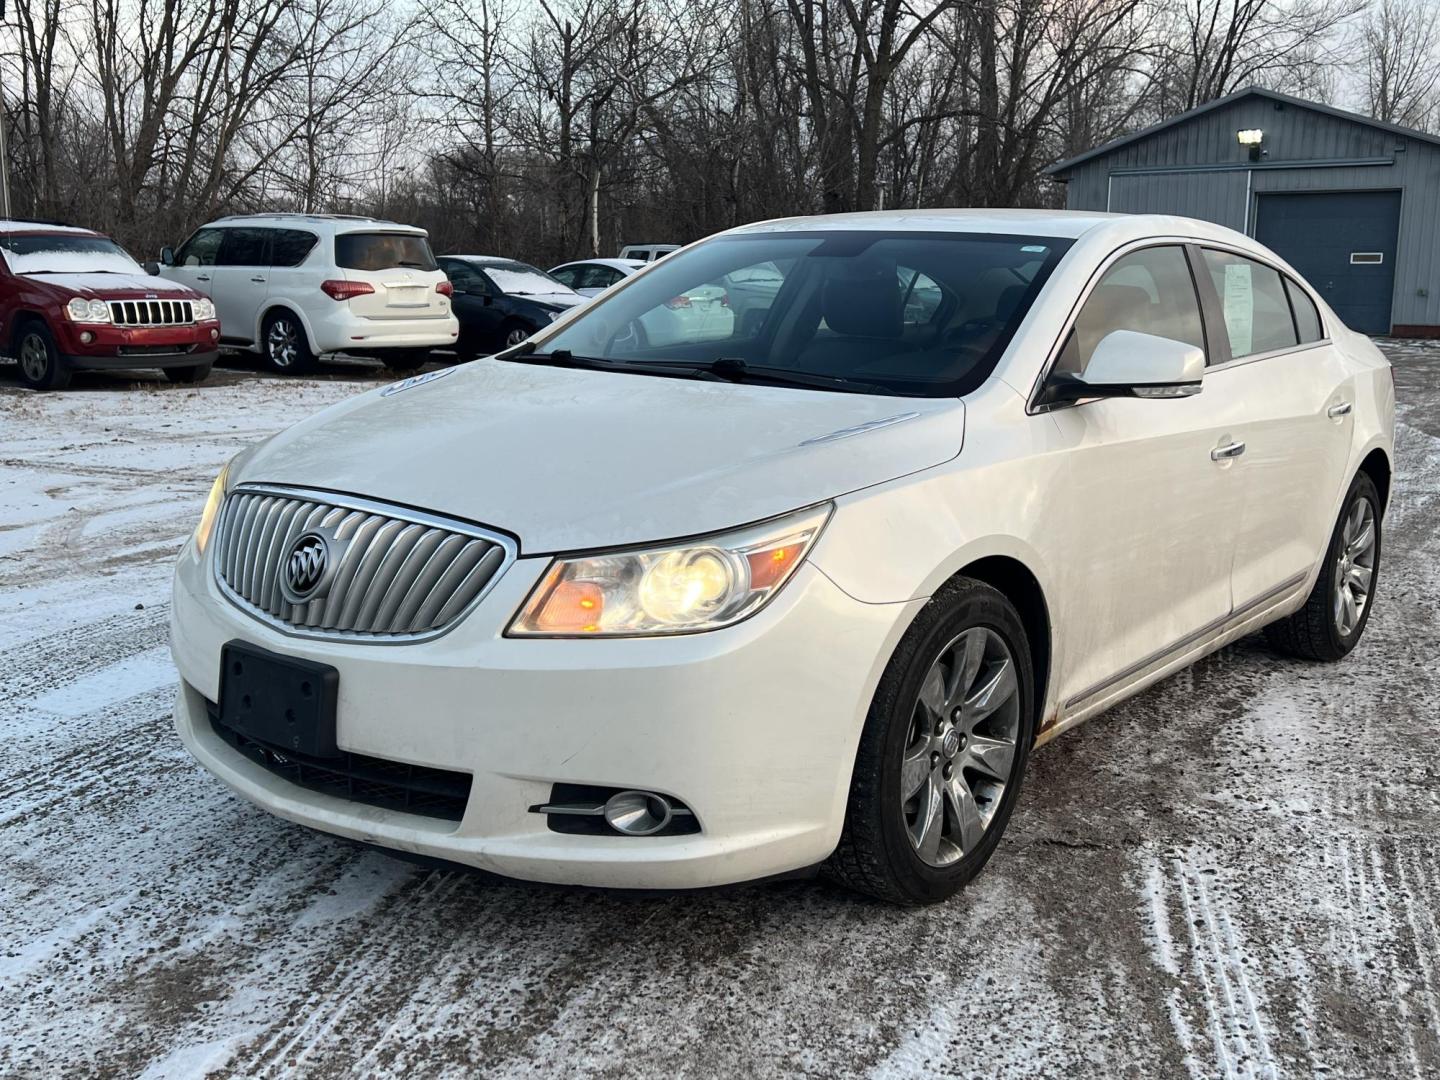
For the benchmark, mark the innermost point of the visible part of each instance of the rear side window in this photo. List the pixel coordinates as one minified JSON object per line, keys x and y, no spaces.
{"x":1253,"y":301}
{"x":1150,"y":291}
{"x":288,"y":247}
{"x":244,"y":247}
{"x":569,"y":276}
{"x":1307,"y":316}
{"x":383,"y":251}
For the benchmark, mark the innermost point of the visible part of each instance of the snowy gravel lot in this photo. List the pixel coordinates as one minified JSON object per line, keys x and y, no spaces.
{"x":1235,"y":874}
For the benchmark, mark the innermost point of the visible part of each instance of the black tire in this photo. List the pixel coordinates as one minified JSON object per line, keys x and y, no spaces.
{"x":284,"y":345}
{"x":405,"y":359}
{"x":875,"y":855}
{"x":41,"y":365}
{"x":188,"y":376}
{"x":1313,"y":632}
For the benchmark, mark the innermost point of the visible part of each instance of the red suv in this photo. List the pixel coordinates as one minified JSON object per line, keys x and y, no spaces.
{"x":71,"y":298}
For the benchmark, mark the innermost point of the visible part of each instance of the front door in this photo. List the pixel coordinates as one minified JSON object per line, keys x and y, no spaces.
{"x":195,"y":262}
{"x":1139,"y":502}
{"x":241,"y":283}
{"x":1343,"y":243}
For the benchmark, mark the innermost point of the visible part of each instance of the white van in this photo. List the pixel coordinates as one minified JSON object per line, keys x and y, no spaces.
{"x":647,"y":252}
{"x":294,"y":286}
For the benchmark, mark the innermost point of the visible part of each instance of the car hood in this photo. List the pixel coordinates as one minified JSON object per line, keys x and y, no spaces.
{"x":95,"y":286}
{"x":570,"y":459}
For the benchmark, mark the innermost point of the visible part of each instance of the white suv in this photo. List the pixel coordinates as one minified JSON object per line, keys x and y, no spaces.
{"x":293,"y":286}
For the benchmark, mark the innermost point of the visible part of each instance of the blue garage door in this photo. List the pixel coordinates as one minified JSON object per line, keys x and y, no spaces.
{"x":1343,"y":243}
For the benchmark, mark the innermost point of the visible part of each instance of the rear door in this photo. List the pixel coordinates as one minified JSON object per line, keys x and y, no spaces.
{"x":293,"y":273}
{"x":241,"y":281}
{"x":399,"y":267}
{"x":1296,"y":393}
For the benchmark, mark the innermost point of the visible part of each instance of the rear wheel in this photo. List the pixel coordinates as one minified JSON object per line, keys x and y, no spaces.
{"x":41,"y":365}
{"x":943,"y":751}
{"x":188,"y":375}
{"x":284,"y":345}
{"x":1338,"y":608}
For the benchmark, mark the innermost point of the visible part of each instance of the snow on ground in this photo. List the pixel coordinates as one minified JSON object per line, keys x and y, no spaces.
{"x":1234,"y":874}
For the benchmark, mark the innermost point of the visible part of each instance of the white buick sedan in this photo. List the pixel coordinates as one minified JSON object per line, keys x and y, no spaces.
{"x":797,"y":592}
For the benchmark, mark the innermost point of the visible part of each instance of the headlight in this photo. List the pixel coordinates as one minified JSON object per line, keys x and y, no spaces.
{"x":89,"y":311}
{"x":675,"y":589}
{"x":204,"y":310}
{"x":554,"y":315}
{"x":211,"y":511}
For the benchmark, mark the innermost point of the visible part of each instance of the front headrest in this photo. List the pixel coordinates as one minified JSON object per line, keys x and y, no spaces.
{"x":863,"y":301}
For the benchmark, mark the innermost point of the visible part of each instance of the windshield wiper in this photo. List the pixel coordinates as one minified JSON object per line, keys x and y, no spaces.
{"x":734,"y":369}
{"x":559,"y":358}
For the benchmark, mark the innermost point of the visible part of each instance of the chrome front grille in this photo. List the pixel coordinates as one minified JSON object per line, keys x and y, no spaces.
{"x":151,"y":312}
{"x":398,"y":574}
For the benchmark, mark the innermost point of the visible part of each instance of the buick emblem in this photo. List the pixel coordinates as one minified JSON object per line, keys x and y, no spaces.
{"x":306,"y":568}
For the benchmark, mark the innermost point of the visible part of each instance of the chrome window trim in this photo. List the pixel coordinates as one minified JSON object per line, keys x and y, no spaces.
{"x":341,"y":500}
{"x":1034,"y":409}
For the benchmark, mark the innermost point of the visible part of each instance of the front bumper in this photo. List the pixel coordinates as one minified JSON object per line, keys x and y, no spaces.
{"x":754,"y":727}
{"x":147,"y":360}
{"x":111,"y":346}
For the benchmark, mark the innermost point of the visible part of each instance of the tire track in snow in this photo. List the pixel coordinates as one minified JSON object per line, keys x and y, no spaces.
{"x":55,"y":660}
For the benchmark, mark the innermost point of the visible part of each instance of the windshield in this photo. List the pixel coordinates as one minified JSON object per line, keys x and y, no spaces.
{"x":925,"y":314}
{"x":522,"y":279}
{"x":383,"y":251}
{"x":67,"y":253}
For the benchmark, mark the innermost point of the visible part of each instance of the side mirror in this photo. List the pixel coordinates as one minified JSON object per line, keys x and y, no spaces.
{"x":167,"y":256}
{"x":489,"y":300}
{"x":1128,"y":363}
{"x":152,"y":268}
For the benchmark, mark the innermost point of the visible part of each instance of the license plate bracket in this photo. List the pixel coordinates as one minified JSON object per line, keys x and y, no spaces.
{"x":284,"y":701}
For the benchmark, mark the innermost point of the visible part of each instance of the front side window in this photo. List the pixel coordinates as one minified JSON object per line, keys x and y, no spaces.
{"x":1307,"y":315}
{"x":245,"y":247}
{"x":1150,"y":291}
{"x":372,"y":251}
{"x":912,"y":313}
{"x":288,"y":247}
{"x":65,"y":253}
{"x":597,"y":277}
{"x":1253,"y":301}
{"x":202,"y":249}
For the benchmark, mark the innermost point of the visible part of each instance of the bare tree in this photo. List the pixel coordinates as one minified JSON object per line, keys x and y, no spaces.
{"x":1401,"y":56}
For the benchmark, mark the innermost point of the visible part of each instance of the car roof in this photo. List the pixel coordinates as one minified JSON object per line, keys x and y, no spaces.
{"x":1059,"y":223}
{"x":617,"y":264}
{"x":492,"y":260}
{"x":43,"y":228}
{"x":338,"y":223}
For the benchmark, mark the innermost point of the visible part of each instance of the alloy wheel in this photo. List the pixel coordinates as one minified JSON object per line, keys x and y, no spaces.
{"x":280,"y":342}
{"x":961,"y":747}
{"x":1354,"y":566}
{"x":516,"y":336}
{"x":34,"y":357}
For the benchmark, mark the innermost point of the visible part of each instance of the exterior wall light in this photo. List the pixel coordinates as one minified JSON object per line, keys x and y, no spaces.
{"x":1251,"y":139}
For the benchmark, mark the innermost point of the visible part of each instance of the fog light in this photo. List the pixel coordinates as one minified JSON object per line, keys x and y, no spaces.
{"x":637,"y":813}
{"x":214,"y":335}
{"x":86,"y":337}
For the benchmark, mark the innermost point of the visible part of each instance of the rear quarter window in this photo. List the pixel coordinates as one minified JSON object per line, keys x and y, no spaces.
{"x":383,"y":251}
{"x":288,"y":247}
{"x":1307,"y":316}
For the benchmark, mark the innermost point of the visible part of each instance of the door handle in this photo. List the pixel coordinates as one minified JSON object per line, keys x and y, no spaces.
{"x":202,"y":277}
{"x":1337,"y":411}
{"x":1229,"y":450}
{"x":258,"y":277}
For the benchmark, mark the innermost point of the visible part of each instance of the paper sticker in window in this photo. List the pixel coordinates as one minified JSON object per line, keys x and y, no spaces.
{"x":1239,"y":305}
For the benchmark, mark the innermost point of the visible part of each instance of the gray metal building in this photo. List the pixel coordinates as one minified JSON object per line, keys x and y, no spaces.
{"x":1350,"y":202}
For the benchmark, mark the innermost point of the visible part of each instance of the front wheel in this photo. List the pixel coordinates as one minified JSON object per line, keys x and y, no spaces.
{"x":514,"y":333}
{"x":188,"y":376}
{"x":1338,"y":608}
{"x":943,"y":751}
{"x":284,"y":345}
{"x":41,"y":365}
